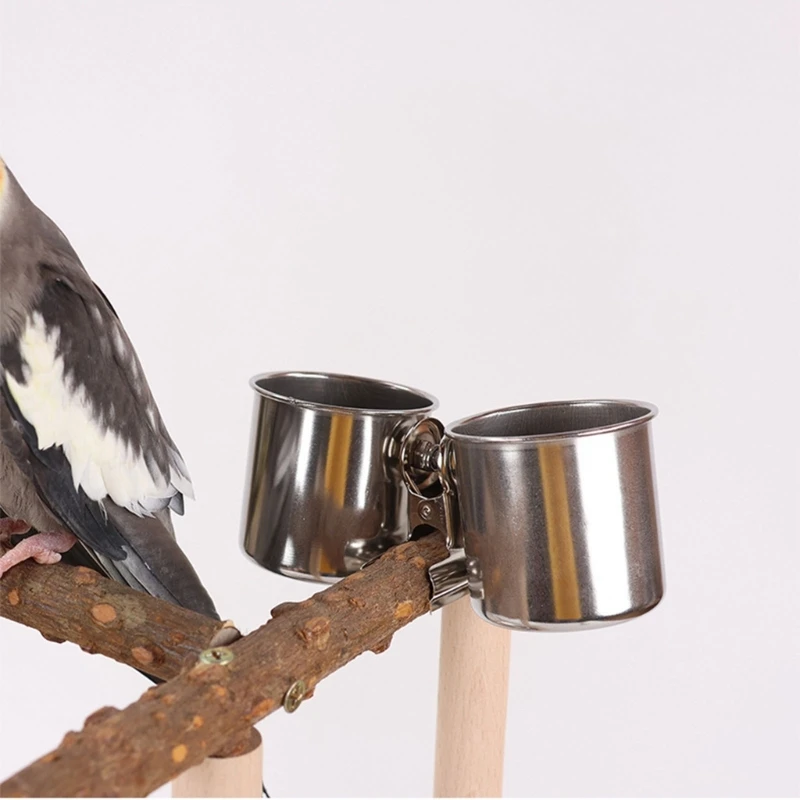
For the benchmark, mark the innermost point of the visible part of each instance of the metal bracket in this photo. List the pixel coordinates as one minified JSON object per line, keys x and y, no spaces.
{"x":448,"y":579}
{"x":432,"y":503}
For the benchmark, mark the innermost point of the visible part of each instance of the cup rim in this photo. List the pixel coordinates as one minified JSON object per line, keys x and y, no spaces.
{"x":649,"y":411}
{"x":431,"y":405}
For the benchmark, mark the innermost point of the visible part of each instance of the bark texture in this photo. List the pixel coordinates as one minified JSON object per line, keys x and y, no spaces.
{"x":176,"y":725}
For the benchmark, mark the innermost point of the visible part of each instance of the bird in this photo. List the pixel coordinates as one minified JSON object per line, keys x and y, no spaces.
{"x":86,"y":460}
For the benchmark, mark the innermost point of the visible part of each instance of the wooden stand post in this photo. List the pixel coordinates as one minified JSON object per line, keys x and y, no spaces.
{"x":473,"y":698}
{"x":237,"y":776}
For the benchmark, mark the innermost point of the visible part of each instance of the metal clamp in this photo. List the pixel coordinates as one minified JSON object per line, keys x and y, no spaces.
{"x":432,"y":503}
{"x":448,"y":579}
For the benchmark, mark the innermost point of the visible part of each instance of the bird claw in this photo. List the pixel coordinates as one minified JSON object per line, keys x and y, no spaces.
{"x":44,"y":548}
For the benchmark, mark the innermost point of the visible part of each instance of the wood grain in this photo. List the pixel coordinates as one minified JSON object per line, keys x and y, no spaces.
{"x":473,"y":699}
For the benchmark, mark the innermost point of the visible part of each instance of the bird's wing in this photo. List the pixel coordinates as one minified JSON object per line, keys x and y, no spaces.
{"x":75,"y":387}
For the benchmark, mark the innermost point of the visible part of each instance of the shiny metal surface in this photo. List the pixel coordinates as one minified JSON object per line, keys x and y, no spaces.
{"x":448,"y":580}
{"x":557,"y":513}
{"x":325,"y":493}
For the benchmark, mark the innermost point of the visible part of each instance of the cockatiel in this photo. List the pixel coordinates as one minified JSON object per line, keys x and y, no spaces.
{"x":85,"y":457}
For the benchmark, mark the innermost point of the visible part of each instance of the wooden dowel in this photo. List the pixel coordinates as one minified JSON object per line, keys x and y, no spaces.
{"x":239,"y":776}
{"x":473,"y":698}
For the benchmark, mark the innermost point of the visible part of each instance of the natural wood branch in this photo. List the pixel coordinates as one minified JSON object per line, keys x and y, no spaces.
{"x":178,"y":724}
{"x":77,"y":604}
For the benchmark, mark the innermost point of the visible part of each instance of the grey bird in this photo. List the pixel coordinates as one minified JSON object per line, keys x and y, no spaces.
{"x":85,"y":457}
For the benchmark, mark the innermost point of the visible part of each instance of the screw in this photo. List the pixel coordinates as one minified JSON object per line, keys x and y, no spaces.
{"x":425,"y":511}
{"x":295,"y":695}
{"x":217,"y":655}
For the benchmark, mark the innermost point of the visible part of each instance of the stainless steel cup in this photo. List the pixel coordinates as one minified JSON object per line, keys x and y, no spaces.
{"x":557,"y":513}
{"x":324,"y":495}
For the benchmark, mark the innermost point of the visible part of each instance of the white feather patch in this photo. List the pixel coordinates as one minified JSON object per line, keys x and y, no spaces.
{"x":102,"y":463}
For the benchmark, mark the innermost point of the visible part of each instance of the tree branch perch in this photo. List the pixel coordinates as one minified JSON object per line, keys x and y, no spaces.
{"x":176,"y":725}
{"x":79,"y":605}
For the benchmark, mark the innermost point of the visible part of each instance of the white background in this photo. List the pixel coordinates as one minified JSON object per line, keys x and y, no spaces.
{"x":497,"y":202}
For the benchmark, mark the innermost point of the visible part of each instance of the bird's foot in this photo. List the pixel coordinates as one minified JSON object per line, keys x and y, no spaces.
{"x":43,"y":548}
{"x":10,"y":527}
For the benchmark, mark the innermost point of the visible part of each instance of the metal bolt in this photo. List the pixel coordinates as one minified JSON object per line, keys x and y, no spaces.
{"x":217,"y":655}
{"x":295,"y":695}
{"x":425,"y":455}
{"x":474,"y":568}
{"x":425,"y":511}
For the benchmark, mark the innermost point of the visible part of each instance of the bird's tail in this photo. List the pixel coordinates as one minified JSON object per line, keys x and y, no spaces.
{"x":154,"y":563}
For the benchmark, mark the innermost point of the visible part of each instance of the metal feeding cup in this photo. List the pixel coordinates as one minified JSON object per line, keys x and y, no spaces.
{"x":323,"y":497}
{"x":550,"y":509}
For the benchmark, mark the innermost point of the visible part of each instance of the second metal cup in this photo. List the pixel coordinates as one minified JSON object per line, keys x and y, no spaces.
{"x":557,"y":513}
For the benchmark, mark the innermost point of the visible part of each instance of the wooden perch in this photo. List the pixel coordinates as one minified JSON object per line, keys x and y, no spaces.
{"x":176,"y":725}
{"x":79,"y":605}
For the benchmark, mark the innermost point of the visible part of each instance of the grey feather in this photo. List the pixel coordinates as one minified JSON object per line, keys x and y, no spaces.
{"x":40,"y":272}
